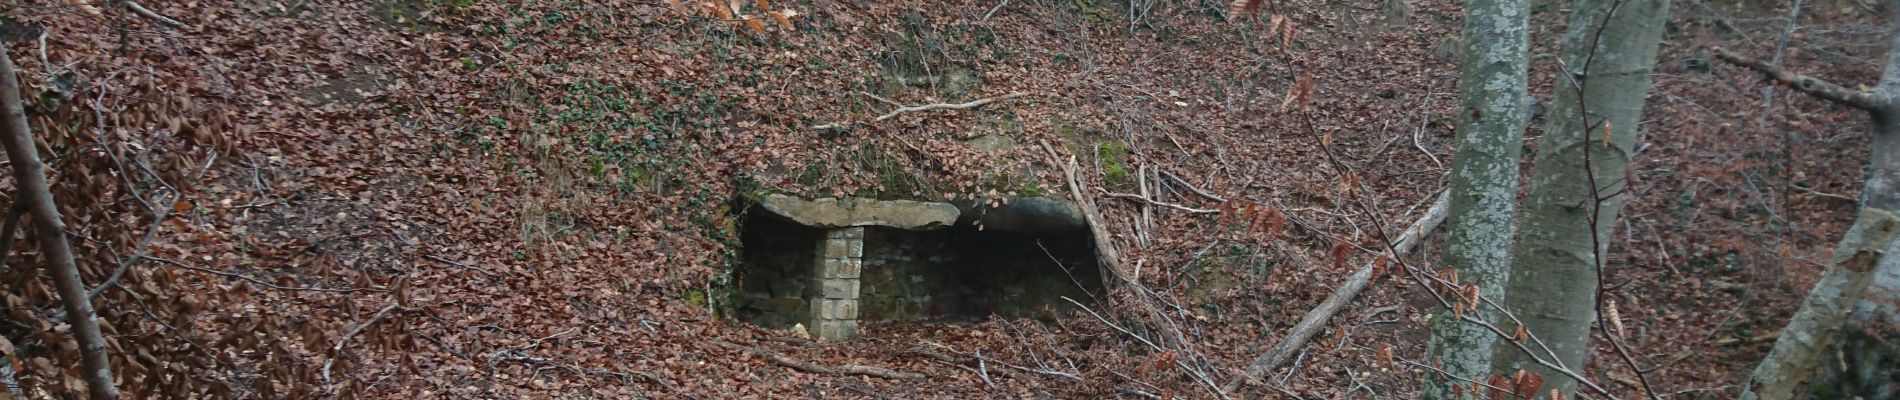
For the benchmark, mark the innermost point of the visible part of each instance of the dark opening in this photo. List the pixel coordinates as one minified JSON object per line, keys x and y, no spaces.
{"x":962,"y":274}
{"x":956,"y":274}
{"x":775,"y":270}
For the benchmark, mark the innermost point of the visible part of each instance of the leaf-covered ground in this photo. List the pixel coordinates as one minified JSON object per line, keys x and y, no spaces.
{"x":544,"y":190}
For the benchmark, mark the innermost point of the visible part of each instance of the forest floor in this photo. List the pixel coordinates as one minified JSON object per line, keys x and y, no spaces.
{"x":533,"y":199}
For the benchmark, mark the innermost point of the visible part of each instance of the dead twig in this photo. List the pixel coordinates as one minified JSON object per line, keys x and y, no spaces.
{"x":1824,"y":194}
{"x":336,"y":351}
{"x":1137,"y":198}
{"x":148,"y":14}
{"x":1316,"y":318}
{"x":1748,"y":341}
{"x":932,"y":106}
{"x":1191,"y":188}
{"x":814,"y":368}
{"x":980,"y":360}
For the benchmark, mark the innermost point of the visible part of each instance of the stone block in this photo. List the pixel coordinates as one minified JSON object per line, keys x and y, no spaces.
{"x":858,"y":212}
{"x":856,"y":232}
{"x":837,"y":330}
{"x":842,"y":248}
{"x":830,"y":309}
{"x":846,"y":268}
{"x":838,"y":288}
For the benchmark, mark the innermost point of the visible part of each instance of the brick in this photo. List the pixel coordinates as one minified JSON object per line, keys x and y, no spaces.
{"x":838,"y":288}
{"x":852,"y":268}
{"x":845,"y":268}
{"x":856,"y":232}
{"x":837,"y":309}
{"x":838,"y":248}
{"x":837,"y":330}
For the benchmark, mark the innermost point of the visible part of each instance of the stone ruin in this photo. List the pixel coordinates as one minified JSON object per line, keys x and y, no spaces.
{"x":831,"y":263}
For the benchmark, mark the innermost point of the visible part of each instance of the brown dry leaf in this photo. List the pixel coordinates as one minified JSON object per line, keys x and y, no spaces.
{"x":1340,"y":251}
{"x":1245,"y":6}
{"x":1286,"y":34}
{"x":84,"y":8}
{"x":1385,"y":356}
{"x":784,"y":21}
{"x":1606,"y":134}
{"x":1299,"y":94}
{"x":1525,"y":383}
{"x":1496,"y":386}
{"x":1616,"y":316}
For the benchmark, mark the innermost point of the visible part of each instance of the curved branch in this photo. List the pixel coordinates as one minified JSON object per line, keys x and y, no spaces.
{"x":1808,"y":84}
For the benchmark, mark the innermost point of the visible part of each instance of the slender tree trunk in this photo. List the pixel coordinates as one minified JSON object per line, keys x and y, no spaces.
{"x":30,"y":175}
{"x":1553,"y":282}
{"x":1797,"y":355}
{"x":1798,"y":352}
{"x":1494,"y":99}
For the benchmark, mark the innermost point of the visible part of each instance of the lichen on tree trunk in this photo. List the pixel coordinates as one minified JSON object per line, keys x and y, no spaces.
{"x":1483,"y":181}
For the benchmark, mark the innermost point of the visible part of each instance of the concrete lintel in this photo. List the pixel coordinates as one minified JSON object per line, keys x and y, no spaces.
{"x":857,"y":211}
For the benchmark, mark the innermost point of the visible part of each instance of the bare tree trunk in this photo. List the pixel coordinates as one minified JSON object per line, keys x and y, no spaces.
{"x":1798,"y":352}
{"x":1493,"y":93}
{"x":31,"y":176}
{"x":1609,"y":49}
{"x":1865,"y":256}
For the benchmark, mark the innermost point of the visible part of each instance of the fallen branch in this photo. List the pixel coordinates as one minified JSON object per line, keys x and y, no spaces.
{"x":1190,"y":187}
{"x":814,"y":368}
{"x":1110,"y":258}
{"x":1316,"y":318}
{"x":148,"y":14}
{"x":979,"y":358}
{"x":1144,"y":200}
{"x":337,"y":350}
{"x":933,"y":106}
{"x":945,"y":106}
{"x":1807,"y":84}
{"x":1748,"y":341}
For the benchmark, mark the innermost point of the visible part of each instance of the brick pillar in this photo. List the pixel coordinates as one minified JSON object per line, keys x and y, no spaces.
{"x":840,"y":262}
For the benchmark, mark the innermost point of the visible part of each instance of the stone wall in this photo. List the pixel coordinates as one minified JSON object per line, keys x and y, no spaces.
{"x":775,"y":276}
{"x":828,"y":264}
{"x":963,"y":274}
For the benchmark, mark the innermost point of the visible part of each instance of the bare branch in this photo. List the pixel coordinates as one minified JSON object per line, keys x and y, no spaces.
{"x":804,"y":366}
{"x":928,"y":107}
{"x":1316,"y":318}
{"x":1139,"y":199}
{"x":1808,"y":84}
{"x":29,"y":175}
{"x":148,"y":14}
{"x":337,"y":350}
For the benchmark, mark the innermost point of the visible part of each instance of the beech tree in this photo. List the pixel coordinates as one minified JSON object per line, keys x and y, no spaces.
{"x":1798,"y":351}
{"x":1609,"y":49}
{"x":30,"y":174}
{"x":1493,"y":99}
